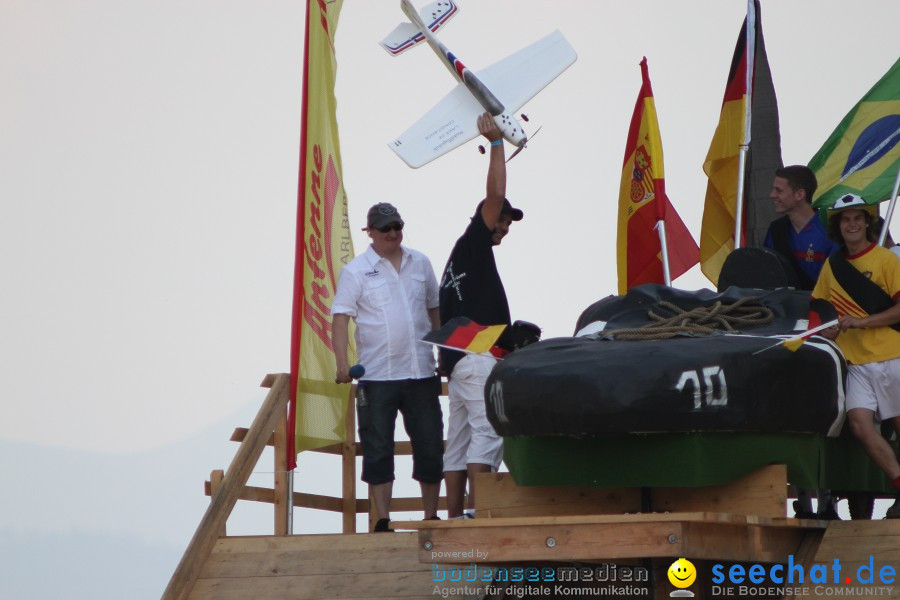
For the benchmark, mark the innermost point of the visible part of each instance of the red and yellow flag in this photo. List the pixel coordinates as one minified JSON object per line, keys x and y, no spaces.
{"x":318,"y":405}
{"x":643,"y":204}
{"x":763,"y":146}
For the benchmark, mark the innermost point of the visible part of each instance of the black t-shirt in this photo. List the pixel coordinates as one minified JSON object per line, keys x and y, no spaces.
{"x":471,"y":286}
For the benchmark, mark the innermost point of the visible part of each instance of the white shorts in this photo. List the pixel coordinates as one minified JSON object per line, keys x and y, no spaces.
{"x":471,"y":438}
{"x":875,"y":386}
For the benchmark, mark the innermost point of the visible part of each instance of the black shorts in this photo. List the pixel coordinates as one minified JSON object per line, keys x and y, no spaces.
{"x":377,"y":405}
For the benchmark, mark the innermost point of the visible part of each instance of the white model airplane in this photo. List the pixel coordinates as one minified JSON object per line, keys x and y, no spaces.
{"x":500,"y":89}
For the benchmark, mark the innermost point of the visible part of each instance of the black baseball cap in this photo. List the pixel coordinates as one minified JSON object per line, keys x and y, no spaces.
{"x":508,"y":209}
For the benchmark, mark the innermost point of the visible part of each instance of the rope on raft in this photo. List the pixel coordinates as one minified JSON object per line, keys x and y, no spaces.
{"x":701,"y":320}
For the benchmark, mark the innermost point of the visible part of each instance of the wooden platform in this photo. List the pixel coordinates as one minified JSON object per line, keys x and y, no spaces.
{"x":315,"y":567}
{"x":399,"y":565}
{"x":592,"y":538}
{"x":557,"y":528}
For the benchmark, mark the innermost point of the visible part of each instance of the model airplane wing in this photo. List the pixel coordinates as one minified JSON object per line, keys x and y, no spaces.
{"x":451,"y":123}
{"x":514,"y":80}
{"x":519,"y":77}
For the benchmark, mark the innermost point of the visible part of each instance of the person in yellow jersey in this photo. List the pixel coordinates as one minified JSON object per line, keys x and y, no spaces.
{"x":862,"y":281}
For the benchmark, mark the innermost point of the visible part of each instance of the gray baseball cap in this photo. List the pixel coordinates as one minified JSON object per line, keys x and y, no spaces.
{"x":382,"y":214}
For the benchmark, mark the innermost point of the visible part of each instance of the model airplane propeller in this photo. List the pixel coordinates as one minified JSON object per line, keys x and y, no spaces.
{"x":501,"y":89}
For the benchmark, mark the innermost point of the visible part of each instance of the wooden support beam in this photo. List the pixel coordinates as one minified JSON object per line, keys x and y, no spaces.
{"x":240,"y":433}
{"x":282,"y":505}
{"x":301,"y":499}
{"x":710,"y":536}
{"x":349,"y":450}
{"x":330,"y":503}
{"x":761,"y":493}
{"x":216,"y":478}
{"x":201,"y":545}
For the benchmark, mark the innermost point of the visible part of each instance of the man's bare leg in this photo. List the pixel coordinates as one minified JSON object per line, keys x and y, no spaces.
{"x":472,"y":469}
{"x":381,"y":494}
{"x":455,"y":482}
{"x":430,"y":494}
{"x":862,"y":424}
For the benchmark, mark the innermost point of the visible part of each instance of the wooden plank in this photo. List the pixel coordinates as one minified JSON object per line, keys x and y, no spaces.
{"x":711,"y":536}
{"x":857,"y":540}
{"x":223,"y":502}
{"x":322,"y":541}
{"x":216,"y":478}
{"x":408,"y":504}
{"x":499,"y":496}
{"x":282,"y":496}
{"x":577,"y":542}
{"x":317,"y":587}
{"x":401,"y":448}
{"x":709,"y":517}
{"x":240,"y":433}
{"x":364,"y":556}
{"x":315,"y":566}
{"x":762,"y":493}
{"x":743,"y":543}
{"x":349,"y":451}
{"x":301,"y":499}
{"x":805,"y":554}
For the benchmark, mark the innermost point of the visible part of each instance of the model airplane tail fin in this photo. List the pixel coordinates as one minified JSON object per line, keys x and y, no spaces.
{"x":407,"y":35}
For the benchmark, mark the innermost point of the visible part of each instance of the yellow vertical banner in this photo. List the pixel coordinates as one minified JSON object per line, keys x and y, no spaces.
{"x":318,"y":404}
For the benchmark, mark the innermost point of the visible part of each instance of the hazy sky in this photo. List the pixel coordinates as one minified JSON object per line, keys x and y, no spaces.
{"x":149,"y":156}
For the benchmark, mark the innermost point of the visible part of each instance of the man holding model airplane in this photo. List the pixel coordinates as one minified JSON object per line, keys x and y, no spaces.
{"x":471,"y":287}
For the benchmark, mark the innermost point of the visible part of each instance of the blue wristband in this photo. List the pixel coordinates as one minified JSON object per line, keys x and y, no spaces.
{"x":497,"y":143}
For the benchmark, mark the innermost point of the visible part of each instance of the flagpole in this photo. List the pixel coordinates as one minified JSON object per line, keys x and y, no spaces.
{"x":748,"y":114}
{"x":661,"y":228}
{"x":890,"y":210}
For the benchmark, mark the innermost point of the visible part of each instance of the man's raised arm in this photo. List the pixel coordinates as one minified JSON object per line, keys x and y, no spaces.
{"x":496,"y":177}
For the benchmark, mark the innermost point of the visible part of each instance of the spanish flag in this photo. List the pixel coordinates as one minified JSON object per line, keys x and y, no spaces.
{"x":643,"y":204}
{"x":749,"y":120}
{"x":862,"y":155}
{"x":318,"y":405}
{"x":460,"y":333}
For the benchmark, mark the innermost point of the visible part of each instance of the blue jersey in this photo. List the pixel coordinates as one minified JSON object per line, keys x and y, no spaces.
{"x":810,"y":247}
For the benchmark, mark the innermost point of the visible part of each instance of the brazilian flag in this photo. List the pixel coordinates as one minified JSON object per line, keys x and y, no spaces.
{"x":862,"y":156}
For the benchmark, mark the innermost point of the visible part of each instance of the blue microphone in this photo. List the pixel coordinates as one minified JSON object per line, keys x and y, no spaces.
{"x":357,"y":371}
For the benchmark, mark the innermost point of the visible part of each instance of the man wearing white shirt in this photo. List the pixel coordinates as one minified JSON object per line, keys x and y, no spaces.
{"x":392,"y":294}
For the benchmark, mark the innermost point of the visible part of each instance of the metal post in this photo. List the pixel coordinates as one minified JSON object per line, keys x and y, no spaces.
{"x":290,"y":502}
{"x":661,"y":228}
{"x":748,"y":115}
{"x":890,"y":210}
{"x":739,"y":199}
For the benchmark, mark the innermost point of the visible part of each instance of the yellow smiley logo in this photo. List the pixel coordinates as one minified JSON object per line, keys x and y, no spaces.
{"x":682,"y":573}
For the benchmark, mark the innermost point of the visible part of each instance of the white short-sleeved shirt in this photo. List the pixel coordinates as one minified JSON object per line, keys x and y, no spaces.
{"x":391,"y":313}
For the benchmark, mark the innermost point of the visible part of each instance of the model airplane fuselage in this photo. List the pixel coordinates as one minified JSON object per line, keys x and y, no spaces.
{"x":501,"y":89}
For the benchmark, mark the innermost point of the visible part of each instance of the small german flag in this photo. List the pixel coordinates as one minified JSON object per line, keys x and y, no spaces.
{"x":460,"y":333}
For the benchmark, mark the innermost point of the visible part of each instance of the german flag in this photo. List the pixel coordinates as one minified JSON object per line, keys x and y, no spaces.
{"x":643,"y":204}
{"x":460,"y":333}
{"x":754,"y":126}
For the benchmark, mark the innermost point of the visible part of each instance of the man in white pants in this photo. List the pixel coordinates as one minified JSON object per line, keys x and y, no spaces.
{"x":471,"y":287}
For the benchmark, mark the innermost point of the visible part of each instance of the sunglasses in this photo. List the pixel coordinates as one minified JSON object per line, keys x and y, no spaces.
{"x":391,"y":227}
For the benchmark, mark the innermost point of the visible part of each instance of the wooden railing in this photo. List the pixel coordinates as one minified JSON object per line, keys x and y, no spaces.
{"x":230,"y":488}
{"x":225,"y":488}
{"x":348,"y":504}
